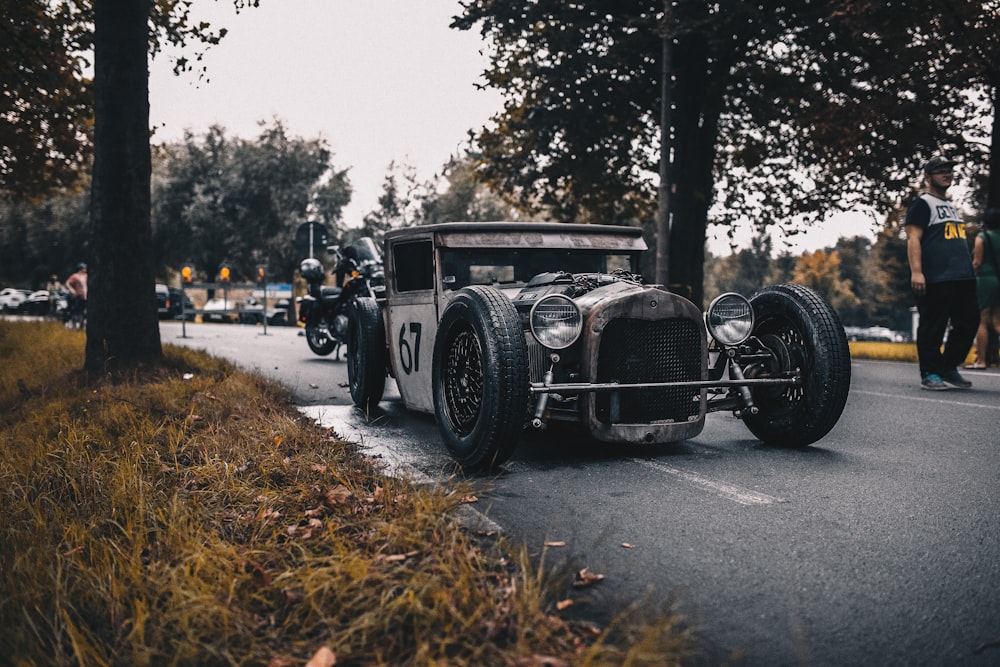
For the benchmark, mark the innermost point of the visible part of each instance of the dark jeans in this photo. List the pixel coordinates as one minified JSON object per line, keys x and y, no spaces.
{"x":953,"y":301}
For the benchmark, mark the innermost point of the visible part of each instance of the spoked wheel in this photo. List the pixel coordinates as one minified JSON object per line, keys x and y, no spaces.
{"x":802,"y":332}
{"x":366,"y":362}
{"x":480,"y":377}
{"x":319,"y":339}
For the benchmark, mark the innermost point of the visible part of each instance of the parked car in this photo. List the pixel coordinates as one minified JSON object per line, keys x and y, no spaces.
{"x":11,"y":298}
{"x":252,"y":312}
{"x":37,"y":303}
{"x":883,"y":334}
{"x":176,"y":310}
{"x":220,"y":310}
{"x":495,"y":327}
{"x":168,"y":303}
{"x":162,"y":300}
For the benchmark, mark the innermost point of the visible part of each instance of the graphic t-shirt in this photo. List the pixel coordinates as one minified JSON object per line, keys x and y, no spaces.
{"x":944,"y":250}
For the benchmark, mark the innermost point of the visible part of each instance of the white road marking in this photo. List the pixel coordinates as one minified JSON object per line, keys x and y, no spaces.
{"x":347,"y":423}
{"x":928,"y":399}
{"x":729,"y":491}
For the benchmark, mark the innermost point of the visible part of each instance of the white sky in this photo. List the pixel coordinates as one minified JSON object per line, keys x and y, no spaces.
{"x":380,"y":80}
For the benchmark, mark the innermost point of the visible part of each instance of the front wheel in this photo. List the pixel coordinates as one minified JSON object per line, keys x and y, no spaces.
{"x":801,"y":330}
{"x":480,"y":377}
{"x":366,"y":361}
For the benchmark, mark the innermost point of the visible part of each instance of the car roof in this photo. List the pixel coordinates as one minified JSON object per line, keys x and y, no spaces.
{"x":526,"y":235}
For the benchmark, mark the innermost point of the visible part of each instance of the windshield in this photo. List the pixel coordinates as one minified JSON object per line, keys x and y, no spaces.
{"x":463,"y":267}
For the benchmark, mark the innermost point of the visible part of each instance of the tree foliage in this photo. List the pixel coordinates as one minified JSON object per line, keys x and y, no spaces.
{"x":223,"y":199}
{"x":46,"y":106}
{"x":42,"y":237}
{"x":457,"y":195}
{"x":782,"y":110}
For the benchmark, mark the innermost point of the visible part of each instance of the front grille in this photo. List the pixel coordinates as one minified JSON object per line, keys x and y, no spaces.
{"x":634,"y":350}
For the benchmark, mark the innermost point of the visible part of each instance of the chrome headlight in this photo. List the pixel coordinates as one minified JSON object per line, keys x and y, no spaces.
{"x":730,"y":318}
{"x":556,"y":321}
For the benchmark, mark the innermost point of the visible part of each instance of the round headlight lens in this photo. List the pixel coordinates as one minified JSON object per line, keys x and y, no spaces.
{"x":730,"y":319}
{"x":556,"y":321}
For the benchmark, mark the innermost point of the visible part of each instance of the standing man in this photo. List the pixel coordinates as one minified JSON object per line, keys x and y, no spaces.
{"x":77,"y":286}
{"x":942,"y":279}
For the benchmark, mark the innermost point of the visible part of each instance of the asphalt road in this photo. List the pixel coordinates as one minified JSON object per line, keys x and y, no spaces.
{"x":880,"y":545}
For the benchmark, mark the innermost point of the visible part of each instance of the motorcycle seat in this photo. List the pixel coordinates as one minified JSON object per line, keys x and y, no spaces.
{"x":331,"y":291}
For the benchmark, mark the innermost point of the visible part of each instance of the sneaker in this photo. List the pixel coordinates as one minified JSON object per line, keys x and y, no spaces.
{"x":955,"y":379}
{"x":933,"y":382}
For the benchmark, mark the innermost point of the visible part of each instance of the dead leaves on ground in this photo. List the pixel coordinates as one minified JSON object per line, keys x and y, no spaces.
{"x":586,"y":578}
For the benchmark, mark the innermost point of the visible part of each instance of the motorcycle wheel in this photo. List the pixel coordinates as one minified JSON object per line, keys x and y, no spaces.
{"x":319,"y":340}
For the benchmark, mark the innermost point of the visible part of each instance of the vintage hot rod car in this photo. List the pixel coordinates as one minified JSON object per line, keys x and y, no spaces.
{"x":498,"y":327}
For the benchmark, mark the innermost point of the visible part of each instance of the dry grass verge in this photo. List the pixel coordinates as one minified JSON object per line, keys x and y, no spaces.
{"x":186,"y":514}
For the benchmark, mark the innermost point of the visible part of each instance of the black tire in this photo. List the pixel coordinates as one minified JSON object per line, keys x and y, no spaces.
{"x":319,"y":340}
{"x":480,"y":377}
{"x":366,"y":362}
{"x":803,"y":331}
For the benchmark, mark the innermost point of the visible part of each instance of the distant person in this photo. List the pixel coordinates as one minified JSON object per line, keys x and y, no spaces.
{"x":54,"y":288}
{"x":942,"y":279}
{"x":986,"y":262}
{"x":77,"y":286}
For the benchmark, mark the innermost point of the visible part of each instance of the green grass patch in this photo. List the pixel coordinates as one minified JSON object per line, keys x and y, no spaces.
{"x":187,"y":514}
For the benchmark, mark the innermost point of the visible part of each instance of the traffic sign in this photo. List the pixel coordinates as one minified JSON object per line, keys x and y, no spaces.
{"x":311,"y":235}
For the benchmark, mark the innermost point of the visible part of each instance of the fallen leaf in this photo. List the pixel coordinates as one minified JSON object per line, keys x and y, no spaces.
{"x":558,"y":543}
{"x":396,"y":558}
{"x":313,"y":386}
{"x":628,"y":545}
{"x":322,"y":658}
{"x":541,"y":661}
{"x":293,"y":596}
{"x":469,"y":499}
{"x":564,"y":604}
{"x":339,"y":495}
{"x":278,"y":439}
{"x":209,"y":395}
{"x":586,"y":578}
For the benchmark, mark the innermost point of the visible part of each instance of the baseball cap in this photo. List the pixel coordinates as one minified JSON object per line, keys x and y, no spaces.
{"x":938,"y":162}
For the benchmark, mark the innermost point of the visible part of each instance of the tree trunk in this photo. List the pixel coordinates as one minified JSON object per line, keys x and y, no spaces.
{"x":695,"y":132}
{"x":993,"y":187}
{"x":122,"y":321}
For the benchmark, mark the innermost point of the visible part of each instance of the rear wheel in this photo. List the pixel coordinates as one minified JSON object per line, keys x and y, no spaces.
{"x":480,"y":377}
{"x":802,"y":331}
{"x":366,"y":361}
{"x":319,"y":339}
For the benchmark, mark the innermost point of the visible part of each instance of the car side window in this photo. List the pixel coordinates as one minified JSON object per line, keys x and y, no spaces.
{"x":413,"y":264}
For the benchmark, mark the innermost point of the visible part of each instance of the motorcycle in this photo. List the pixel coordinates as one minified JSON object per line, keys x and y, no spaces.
{"x":324,"y":310}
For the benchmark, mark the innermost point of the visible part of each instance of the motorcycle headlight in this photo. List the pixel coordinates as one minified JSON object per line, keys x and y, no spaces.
{"x":730,"y":318}
{"x":556,"y":321}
